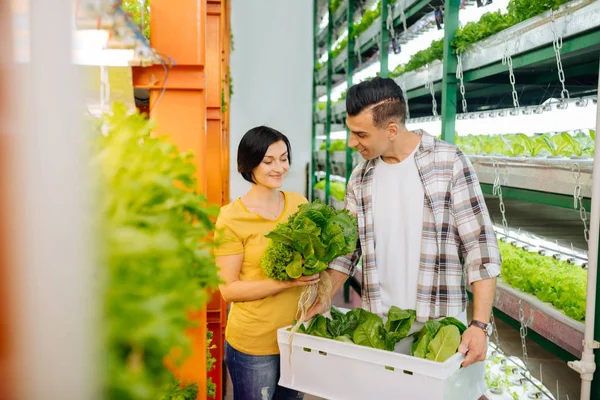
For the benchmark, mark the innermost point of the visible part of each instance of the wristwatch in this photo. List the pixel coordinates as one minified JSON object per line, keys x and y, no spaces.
{"x":487,"y":328}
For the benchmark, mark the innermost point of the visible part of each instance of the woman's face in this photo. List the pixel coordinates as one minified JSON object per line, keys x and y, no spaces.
{"x":272,"y":170}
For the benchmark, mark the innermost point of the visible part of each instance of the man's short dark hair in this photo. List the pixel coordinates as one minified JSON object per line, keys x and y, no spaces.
{"x":254,"y":146}
{"x":382,"y":95}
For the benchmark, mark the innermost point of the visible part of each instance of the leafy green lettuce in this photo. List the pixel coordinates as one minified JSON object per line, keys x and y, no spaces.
{"x":398,"y":325}
{"x":438,"y":340}
{"x":313,"y":236}
{"x":364,"y":328}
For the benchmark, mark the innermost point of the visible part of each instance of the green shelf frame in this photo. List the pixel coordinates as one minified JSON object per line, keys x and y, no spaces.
{"x":535,"y":196}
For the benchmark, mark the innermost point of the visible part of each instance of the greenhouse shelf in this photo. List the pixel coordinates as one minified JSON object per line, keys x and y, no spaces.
{"x":321,"y":115}
{"x":335,"y":203}
{"x":338,"y":157}
{"x":339,"y":63}
{"x":532,"y":196}
{"x":320,"y":128}
{"x":320,"y":195}
{"x":547,"y":321}
{"x":321,"y":75}
{"x":539,"y":174}
{"x":571,"y":20}
{"x":340,"y":13}
{"x":368,"y":38}
{"x":321,"y":157}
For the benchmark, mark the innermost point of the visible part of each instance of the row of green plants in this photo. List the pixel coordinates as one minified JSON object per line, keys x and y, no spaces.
{"x":156,"y":264}
{"x":336,"y":145}
{"x":336,"y":189}
{"x":553,"y":281}
{"x":358,"y":27}
{"x":489,"y":24}
{"x":555,"y":145}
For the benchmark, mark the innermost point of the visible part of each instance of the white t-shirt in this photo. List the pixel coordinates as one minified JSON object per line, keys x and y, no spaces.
{"x":398,"y":204}
{"x":398,"y":197}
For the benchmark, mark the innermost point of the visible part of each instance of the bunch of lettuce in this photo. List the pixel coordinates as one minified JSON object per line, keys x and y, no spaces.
{"x":362,"y":327}
{"x":312,"y":237}
{"x":436,"y":341}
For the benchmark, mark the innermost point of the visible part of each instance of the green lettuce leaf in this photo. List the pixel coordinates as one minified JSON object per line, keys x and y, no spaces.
{"x":444,"y":345}
{"x":370,"y":333}
{"x":318,"y":327}
{"x":398,"y":325}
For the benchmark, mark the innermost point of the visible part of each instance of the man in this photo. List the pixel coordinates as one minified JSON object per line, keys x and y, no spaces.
{"x":424,"y":229}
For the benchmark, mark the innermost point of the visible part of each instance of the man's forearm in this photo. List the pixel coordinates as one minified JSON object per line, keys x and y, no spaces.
{"x":337,"y":280}
{"x":484,"y":292}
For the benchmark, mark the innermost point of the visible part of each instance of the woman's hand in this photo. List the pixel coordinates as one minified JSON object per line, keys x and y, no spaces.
{"x":304,"y":281}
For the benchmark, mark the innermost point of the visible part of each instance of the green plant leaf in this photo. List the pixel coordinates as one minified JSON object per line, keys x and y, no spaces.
{"x":318,"y":327}
{"x":370,"y":333}
{"x":445,"y":344}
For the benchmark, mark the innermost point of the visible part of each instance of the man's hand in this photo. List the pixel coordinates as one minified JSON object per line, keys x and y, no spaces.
{"x":337,"y":281}
{"x":473,"y":346}
{"x":317,"y":308}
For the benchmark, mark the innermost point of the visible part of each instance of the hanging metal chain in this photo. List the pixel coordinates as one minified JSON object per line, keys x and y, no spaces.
{"x":429,"y":85}
{"x":497,"y":191}
{"x":523,"y":332}
{"x":578,"y":200}
{"x":507,"y":60}
{"x":460,"y":77}
{"x":357,"y":49}
{"x":403,"y":87}
{"x":390,"y":21}
{"x":557,"y":43}
{"x":403,"y":15}
{"x":495,"y":330}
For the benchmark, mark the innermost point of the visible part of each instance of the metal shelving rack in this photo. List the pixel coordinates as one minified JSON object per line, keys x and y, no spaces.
{"x":486,"y":80}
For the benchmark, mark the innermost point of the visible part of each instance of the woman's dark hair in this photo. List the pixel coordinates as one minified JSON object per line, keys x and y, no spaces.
{"x":253,"y":147}
{"x":383,"y":95}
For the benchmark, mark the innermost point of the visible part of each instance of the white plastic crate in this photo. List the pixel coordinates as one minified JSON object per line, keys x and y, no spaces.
{"x":336,"y":370}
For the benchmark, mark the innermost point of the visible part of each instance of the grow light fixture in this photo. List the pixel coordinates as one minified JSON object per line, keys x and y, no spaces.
{"x":583,"y":102}
{"x":532,"y":243}
{"x":529,"y":120}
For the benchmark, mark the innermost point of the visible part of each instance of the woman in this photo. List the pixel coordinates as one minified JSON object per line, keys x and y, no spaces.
{"x":259,"y":306}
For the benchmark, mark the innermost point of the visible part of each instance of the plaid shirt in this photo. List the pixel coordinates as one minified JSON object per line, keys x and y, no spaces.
{"x":458,"y":243}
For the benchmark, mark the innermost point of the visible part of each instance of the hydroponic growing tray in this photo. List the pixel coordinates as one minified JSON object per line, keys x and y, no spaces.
{"x":552,"y":175}
{"x":571,"y":19}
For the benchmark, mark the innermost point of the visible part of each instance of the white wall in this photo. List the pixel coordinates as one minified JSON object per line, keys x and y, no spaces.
{"x":271,"y":66}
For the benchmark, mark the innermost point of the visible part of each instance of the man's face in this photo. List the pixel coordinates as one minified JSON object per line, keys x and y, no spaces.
{"x":365,"y":137}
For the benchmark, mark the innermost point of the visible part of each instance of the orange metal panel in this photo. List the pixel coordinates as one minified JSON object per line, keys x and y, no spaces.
{"x":178,"y":30}
{"x":184,"y":77}
{"x":213,"y":160}
{"x":213,"y":61}
{"x":225,"y":51}
{"x":193,"y":369}
{"x":181,"y":115}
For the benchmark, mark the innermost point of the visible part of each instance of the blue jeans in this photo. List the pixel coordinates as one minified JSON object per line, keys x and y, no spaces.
{"x":256,"y":377}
